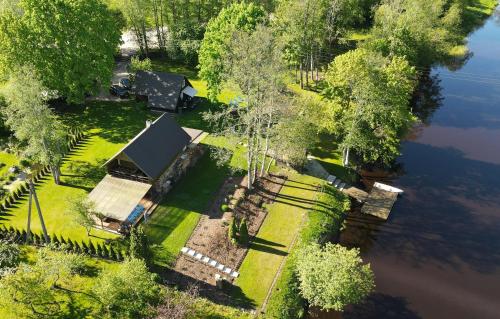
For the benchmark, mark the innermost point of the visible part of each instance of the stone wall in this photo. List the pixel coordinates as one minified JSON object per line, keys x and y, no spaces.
{"x":181,"y":164}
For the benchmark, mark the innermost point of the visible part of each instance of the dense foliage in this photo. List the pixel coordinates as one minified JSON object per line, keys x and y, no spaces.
{"x":127,"y":292}
{"x":216,"y":42}
{"x":368,"y":103}
{"x":332,"y":277}
{"x":69,"y":43}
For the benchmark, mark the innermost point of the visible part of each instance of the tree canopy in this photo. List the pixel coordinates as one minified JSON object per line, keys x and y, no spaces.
{"x":128,"y":291}
{"x":368,"y":103}
{"x":333,"y":276}
{"x":216,"y":42}
{"x":69,"y":43}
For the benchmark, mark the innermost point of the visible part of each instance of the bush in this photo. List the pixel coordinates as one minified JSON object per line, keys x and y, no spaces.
{"x":243,"y":239}
{"x":137,"y":64}
{"x":224,"y":208}
{"x":232,"y":231}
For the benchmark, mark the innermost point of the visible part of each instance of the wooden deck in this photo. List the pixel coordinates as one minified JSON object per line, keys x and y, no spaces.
{"x":379,"y":203}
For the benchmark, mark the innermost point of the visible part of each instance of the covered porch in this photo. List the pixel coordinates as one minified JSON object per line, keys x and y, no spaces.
{"x":123,"y":202}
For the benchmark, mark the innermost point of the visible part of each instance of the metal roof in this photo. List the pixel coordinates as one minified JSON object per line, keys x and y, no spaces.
{"x":116,"y":197}
{"x":154,"y":149}
{"x":162,"y":89}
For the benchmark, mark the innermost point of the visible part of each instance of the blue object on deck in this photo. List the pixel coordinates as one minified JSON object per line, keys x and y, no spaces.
{"x":135,"y":213}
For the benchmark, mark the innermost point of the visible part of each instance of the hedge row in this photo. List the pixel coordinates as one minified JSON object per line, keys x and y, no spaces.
{"x":323,"y":223}
{"x":91,"y":249}
{"x":74,"y":137}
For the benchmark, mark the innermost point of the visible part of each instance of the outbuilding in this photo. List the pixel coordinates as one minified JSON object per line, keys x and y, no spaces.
{"x":164,"y":91}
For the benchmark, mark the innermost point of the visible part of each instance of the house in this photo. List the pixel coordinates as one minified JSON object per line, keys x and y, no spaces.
{"x":143,"y":170}
{"x":164,"y":91}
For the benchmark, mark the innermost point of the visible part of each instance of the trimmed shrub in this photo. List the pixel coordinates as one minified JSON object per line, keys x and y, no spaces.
{"x":85,"y":248}
{"x":70,"y":244}
{"x":224,"y":208}
{"x":92,"y":250}
{"x":105,"y":251}
{"x":76,"y":248}
{"x":232,"y":231}
{"x":243,"y":238}
{"x":119,"y":256}
{"x":112,"y":253}
{"x":99,"y":250}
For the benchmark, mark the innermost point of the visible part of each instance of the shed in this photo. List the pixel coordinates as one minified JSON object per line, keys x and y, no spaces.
{"x":164,"y":91}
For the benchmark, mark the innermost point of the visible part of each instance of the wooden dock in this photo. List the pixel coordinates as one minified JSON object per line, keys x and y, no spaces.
{"x":379,"y":203}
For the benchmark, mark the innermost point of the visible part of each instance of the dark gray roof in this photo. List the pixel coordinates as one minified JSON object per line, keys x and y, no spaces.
{"x":162,"y":89}
{"x":154,"y":149}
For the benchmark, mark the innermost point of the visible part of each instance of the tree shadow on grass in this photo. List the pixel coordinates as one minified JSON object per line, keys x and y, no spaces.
{"x":267,"y":249}
{"x":262,"y":241}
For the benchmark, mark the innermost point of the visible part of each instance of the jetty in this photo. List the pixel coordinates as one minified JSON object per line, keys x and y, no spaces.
{"x":377,"y":202}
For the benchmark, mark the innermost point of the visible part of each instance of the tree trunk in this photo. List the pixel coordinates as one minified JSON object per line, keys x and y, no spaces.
{"x":145,"y":38}
{"x":266,"y":147}
{"x":301,"y":75}
{"x":56,"y":174}
{"x":307,"y":70}
{"x":346,"y":157}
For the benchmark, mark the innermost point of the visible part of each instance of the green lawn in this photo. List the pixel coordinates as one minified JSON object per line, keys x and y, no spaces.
{"x":173,"y":221}
{"x":275,"y":236}
{"x":108,"y":126}
{"x":7,"y":160}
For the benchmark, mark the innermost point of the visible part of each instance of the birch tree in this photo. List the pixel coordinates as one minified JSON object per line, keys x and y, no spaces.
{"x":367,"y":105}
{"x":27,"y":114}
{"x":255,"y":69}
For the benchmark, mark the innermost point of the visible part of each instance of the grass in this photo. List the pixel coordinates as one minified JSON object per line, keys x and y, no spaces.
{"x":176,"y":217}
{"x":108,"y":127}
{"x":274,"y":238}
{"x":7,"y":160}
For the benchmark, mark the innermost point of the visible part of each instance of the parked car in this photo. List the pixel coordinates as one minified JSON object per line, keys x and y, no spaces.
{"x":125,"y":83}
{"x":119,"y":91}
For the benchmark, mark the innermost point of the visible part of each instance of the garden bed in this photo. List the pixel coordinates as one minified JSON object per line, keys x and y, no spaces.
{"x":210,"y":236}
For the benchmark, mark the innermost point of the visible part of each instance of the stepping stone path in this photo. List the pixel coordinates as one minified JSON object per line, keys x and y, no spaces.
{"x":209,"y":261}
{"x":336,"y":182}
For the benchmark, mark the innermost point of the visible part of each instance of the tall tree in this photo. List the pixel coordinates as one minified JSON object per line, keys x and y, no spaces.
{"x":333,"y":276}
{"x":33,"y":123}
{"x":84,"y":211}
{"x":216,"y":42}
{"x":422,"y":31}
{"x":255,"y":68}
{"x":368,"y":104}
{"x":139,"y":244}
{"x":70,"y":43}
{"x":310,"y":29}
{"x":128,"y":291}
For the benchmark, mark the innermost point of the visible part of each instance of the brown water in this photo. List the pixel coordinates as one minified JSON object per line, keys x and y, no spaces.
{"x":438,"y":256}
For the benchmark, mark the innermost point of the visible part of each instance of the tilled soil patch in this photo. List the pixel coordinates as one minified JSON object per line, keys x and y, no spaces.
{"x":210,"y":236}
